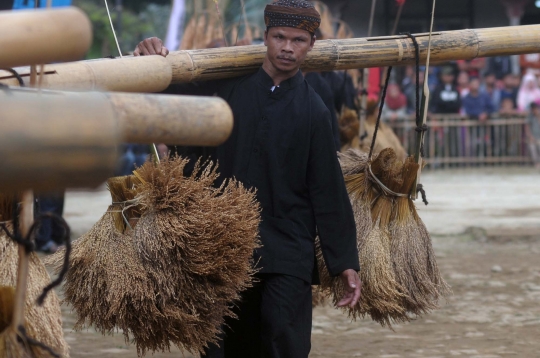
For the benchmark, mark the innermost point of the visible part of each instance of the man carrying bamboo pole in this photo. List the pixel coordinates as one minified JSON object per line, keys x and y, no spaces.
{"x":282,"y":145}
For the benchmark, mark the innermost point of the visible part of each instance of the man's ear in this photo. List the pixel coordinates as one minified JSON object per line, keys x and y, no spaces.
{"x":313,"y":38}
{"x":265,"y":37}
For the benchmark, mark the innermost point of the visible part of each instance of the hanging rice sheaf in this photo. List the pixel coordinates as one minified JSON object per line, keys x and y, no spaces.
{"x":196,"y":242}
{"x":42,"y":323}
{"x":398,"y":269}
{"x":171,"y":276}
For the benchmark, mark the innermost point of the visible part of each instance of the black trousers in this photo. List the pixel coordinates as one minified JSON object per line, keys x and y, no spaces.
{"x":274,"y":321}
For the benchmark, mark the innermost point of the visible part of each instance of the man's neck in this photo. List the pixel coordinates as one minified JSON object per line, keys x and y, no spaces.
{"x":276,"y":75}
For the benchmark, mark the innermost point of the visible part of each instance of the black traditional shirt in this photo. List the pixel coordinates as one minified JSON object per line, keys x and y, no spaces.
{"x":282,"y":145}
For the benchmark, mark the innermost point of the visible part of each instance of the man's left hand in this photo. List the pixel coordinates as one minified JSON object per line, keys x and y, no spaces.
{"x":353,"y":288}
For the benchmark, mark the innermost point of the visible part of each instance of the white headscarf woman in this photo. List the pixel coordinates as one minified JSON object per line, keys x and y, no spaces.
{"x":528,"y":92}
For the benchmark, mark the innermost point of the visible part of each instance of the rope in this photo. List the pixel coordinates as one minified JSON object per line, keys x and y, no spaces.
{"x":16,"y":74}
{"x":24,"y":339}
{"x":29,"y":246}
{"x":112,"y":28}
{"x":420,"y":188}
{"x":383,"y":97}
{"x":386,"y":191}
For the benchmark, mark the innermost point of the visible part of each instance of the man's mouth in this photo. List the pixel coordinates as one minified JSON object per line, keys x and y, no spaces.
{"x":286,"y":59}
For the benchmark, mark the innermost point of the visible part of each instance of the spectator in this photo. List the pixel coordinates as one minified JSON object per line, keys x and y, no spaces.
{"x":490,"y":87}
{"x":446,"y":98}
{"x":50,"y":233}
{"x":529,"y":62}
{"x":463,"y":83}
{"x":473,"y":67}
{"x":507,"y":109}
{"x":133,"y":156}
{"x":410,"y":93}
{"x":528,"y":92}
{"x":534,"y":133}
{"x":510,"y":89}
{"x":500,"y":66}
{"x":477,"y":104}
{"x":396,"y":103}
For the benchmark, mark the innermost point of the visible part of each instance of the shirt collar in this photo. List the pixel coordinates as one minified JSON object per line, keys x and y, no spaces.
{"x":264,"y":79}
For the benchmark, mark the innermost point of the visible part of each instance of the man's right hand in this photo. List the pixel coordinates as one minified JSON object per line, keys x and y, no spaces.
{"x":151,"y":46}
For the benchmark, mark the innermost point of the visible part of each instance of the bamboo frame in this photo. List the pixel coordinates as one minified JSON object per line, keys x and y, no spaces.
{"x":327,"y":55}
{"x":40,"y":36}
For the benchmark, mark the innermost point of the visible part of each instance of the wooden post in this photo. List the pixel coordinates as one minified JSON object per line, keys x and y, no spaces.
{"x":41,"y":36}
{"x":327,"y":55}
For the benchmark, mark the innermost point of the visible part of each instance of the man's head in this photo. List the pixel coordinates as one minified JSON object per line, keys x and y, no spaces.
{"x":490,"y":79}
{"x":289,"y":35}
{"x":474,"y":85}
{"x":447,"y":75}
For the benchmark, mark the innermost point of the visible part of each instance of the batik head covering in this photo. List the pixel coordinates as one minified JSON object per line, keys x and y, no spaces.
{"x":299,"y":14}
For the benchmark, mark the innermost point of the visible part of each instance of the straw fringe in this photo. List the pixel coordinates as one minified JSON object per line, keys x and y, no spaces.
{"x":44,"y":323}
{"x":398,"y":268}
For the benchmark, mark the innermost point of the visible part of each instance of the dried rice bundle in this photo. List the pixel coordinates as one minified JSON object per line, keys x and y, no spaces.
{"x":399,"y":272}
{"x":106,"y":283}
{"x":43,"y":323}
{"x":196,"y":242}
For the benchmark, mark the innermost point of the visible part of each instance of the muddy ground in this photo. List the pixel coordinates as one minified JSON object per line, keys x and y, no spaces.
{"x":486,"y":232}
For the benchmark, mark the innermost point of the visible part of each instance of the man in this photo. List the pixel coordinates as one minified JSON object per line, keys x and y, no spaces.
{"x":446,"y":98}
{"x":477,"y":104}
{"x":282,"y":145}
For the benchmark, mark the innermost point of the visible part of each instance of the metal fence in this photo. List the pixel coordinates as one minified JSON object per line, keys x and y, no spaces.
{"x":454,"y":141}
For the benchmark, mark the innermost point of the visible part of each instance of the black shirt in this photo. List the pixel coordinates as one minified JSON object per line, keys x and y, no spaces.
{"x":282,"y":145}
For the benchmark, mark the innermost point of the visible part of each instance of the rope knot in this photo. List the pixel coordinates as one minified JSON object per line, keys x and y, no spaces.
{"x":422,"y":128}
{"x":420,"y":189}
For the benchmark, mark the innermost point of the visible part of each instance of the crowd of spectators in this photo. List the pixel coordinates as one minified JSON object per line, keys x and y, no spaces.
{"x":479,"y":89}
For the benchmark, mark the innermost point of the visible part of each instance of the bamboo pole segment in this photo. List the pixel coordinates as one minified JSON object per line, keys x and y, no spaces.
{"x":41,"y":36}
{"x":207,"y":64}
{"x":26,"y":220}
{"x":49,"y":142}
{"x":182,"y":120}
{"x":327,"y":55}
{"x":52,"y":139}
{"x":129,"y":74}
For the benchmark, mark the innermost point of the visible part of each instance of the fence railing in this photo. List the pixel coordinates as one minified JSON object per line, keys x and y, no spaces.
{"x":453,"y":141}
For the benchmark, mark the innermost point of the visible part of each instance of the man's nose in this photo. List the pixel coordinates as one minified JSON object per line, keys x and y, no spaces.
{"x":288,"y":46}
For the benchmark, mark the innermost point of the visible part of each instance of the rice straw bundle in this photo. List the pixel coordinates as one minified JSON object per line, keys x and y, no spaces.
{"x":173,"y":276}
{"x":42,"y":323}
{"x":196,"y":242}
{"x":398,"y":268}
{"x":106,"y":284}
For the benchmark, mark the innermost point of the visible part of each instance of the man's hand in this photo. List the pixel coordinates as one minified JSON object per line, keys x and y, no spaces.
{"x":353,"y":287}
{"x":151,"y":46}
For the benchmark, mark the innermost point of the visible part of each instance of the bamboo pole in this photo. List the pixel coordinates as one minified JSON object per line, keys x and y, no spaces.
{"x":327,"y":55}
{"x":41,"y":36}
{"x":52,"y":142}
{"x":181,"y":120}
{"x":26,"y":220}
{"x":52,"y":139}
{"x":129,"y":74}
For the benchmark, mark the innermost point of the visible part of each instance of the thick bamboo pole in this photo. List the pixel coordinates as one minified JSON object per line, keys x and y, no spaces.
{"x":52,"y":139}
{"x":128,"y":74}
{"x":198,"y":65}
{"x":43,"y":36}
{"x":49,"y":142}
{"x":182,"y":120}
{"x":327,"y":55}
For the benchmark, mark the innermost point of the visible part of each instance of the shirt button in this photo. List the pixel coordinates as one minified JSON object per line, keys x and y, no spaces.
{"x":255,"y":150}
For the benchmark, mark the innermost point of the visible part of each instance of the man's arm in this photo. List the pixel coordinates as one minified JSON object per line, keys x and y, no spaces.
{"x":332,"y":209}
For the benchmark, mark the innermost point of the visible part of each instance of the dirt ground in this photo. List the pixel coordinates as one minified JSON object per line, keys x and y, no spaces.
{"x":486,"y":233}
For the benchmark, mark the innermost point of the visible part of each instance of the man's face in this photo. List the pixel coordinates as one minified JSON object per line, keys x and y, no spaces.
{"x":287,"y":47}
